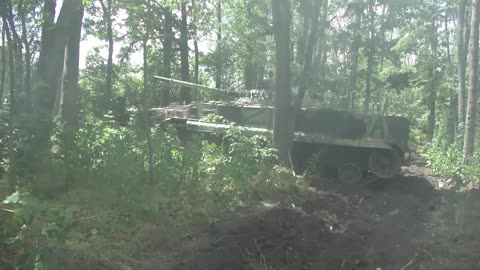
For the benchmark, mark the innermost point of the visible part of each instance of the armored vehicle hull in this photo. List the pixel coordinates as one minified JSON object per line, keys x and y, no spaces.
{"x":352,"y":143}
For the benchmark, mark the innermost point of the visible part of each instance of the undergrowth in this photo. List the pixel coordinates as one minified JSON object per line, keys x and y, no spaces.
{"x":97,"y":204}
{"x":447,"y":160}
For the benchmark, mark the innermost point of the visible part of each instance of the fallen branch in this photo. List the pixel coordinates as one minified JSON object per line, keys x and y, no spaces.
{"x":96,"y":216}
{"x":8,"y":210}
{"x":409,"y":263}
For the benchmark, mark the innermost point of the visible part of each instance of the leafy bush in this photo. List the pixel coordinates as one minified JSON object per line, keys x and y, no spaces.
{"x":227,"y":169}
{"x":447,"y":159}
{"x":105,"y":168}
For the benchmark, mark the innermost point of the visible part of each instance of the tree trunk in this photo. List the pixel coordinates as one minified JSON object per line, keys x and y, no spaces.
{"x":370,"y":58}
{"x":432,"y":88}
{"x":4,"y":65}
{"x":184,"y":51}
{"x":28,"y":64}
{"x":452,"y":108}
{"x":219,"y":63}
{"x":462,"y":63}
{"x":11,"y":121}
{"x":107,"y":13}
{"x":195,"y":46}
{"x":167,"y":55}
{"x":145,"y":107}
{"x":382,"y":36}
{"x":306,"y":10}
{"x":249,"y":72}
{"x":321,"y":47}
{"x":71,"y":99}
{"x":17,"y":48}
{"x":354,"y":56}
{"x":49,"y":72}
{"x":468,"y":146}
{"x":282,"y":122}
{"x":308,"y":60}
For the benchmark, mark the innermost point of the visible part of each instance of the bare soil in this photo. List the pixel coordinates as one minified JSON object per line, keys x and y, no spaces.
{"x":411,"y":222}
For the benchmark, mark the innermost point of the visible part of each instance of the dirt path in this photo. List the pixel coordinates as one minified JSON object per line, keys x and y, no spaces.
{"x":404,"y":223}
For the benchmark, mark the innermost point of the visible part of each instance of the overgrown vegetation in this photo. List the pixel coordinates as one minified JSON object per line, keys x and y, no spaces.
{"x":447,"y":160}
{"x":105,"y":191}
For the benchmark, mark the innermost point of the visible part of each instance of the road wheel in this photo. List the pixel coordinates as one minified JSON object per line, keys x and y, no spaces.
{"x":349,"y":173}
{"x":385,"y":163}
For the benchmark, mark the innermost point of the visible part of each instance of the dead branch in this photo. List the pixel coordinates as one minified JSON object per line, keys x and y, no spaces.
{"x":409,"y":263}
{"x":8,"y":210}
{"x":96,"y":216}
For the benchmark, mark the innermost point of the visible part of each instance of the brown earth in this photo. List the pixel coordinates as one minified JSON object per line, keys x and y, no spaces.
{"x":410,"y":222}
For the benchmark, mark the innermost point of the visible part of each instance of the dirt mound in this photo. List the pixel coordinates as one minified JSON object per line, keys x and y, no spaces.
{"x":403,"y":223}
{"x":375,"y":227}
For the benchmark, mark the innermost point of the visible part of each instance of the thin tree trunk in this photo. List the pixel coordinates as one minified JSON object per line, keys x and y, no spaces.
{"x":195,"y":46}
{"x":469,"y":142}
{"x":17,"y":48}
{"x":249,"y":71}
{"x":219,"y":63}
{"x":462,"y":63}
{"x":370,"y":60}
{"x":282,"y":122}
{"x":308,"y":60}
{"x":71,"y":102}
{"x":146,"y":117}
{"x":4,"y":64}
{"x":261,"y":77}
{"x":306,"y":10}
{"x":447,"y":37}
{"x":11,"y":122}
{"x":452,"y":108}
{"x":382,"y":36}
{"x":107,"y":13}
{"x":167,"y":55}
{"x":184,"y":51}
{"x":355,"y":53}
{"x":321,"y":49}
{"x":28,"y":65}
{"x":432,"y":88}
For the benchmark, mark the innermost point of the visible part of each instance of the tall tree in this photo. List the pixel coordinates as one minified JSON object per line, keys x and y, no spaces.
{"x":167,"y":54}
{"x":357,"y":39}
{"x":4,"y":64}
{"x":308,"y":57}
{"x":432,"y":87}
{"x":27,"y":56}
{"x":107,"y":9}
{"x":12,"y":102}
{"x":71,"y":98}
{"x":219,"y":62}
{"x":468,"y":146}
{"x":185,"y":95}
{"x":196,"y":66}
{"x":370,"y":57}
{"x":50,"y":71}
{"x":282,"y":124}
{"x":462,"y":61}
{"x":145,"y":107}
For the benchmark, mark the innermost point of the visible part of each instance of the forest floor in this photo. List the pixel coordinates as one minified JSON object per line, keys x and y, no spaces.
{"x":411,"y":222}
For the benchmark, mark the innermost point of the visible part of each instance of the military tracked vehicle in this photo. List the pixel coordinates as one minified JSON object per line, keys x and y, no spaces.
{"x":352,"y":143}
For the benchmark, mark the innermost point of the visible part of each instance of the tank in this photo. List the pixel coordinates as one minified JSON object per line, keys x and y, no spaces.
{"x":350,"y":143}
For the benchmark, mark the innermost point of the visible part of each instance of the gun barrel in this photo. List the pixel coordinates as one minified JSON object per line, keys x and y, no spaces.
{"x":188,"y":84}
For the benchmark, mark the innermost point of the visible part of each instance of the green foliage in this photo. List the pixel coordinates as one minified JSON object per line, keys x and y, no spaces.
{"x":447,"y":160}
{"x":228,"y":169}
{"x":105,"y":167}
{"x":36,"y":232}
